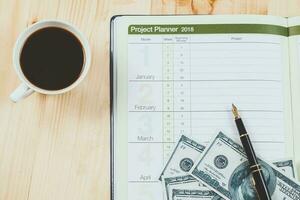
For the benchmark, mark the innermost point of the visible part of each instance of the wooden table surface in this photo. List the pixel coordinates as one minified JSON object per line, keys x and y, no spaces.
{"x":57,"y":147}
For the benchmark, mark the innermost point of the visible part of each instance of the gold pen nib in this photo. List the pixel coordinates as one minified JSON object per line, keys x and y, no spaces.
{"x":235,"y":111}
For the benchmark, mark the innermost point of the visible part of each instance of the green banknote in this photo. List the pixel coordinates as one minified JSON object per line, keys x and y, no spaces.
{"x":187,"y":183}
{"x":287,"y":166}
{"x":182,"y":160}
{"x":223,"y":168}
{"x":175,"y":174}
{"x":194,"y":195}
{"x":189,"y":188}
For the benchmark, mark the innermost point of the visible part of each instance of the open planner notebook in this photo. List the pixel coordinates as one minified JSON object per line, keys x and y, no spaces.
{"x":179,"y":75}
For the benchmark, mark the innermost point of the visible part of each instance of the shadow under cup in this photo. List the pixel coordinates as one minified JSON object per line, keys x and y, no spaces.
{"x":52,"y":58}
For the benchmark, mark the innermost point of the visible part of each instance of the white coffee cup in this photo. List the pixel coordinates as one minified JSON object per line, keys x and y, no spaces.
{"x":27,"y":88}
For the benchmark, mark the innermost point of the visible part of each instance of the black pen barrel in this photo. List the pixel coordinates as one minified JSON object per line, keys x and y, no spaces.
{"x":256,"y":170}
{"x":246,"y":142}
{"x":260,"y":185}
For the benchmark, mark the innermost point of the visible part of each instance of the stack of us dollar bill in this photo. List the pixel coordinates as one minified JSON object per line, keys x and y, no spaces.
{"x":221,"y":171}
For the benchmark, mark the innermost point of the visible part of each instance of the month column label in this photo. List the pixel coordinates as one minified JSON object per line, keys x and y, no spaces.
{"x":144,"y":116}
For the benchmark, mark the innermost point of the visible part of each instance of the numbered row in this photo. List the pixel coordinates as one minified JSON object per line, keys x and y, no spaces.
{"x":155,"y":127}
{"x":201,"y":96}
{"x":205,"y":61}
{"x":146,"y":161}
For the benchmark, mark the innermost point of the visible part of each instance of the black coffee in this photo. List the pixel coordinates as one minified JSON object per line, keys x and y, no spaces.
{"x":52,"y":58}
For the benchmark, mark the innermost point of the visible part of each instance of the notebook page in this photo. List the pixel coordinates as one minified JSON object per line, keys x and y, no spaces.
{"x":191,"y":92}
{"x":185,"y":84}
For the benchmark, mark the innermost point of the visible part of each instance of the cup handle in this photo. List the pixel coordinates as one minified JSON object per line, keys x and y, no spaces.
{"x":21,"y":92}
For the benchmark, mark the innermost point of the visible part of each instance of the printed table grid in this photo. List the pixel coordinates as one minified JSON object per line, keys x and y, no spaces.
{"x":180,"y":85}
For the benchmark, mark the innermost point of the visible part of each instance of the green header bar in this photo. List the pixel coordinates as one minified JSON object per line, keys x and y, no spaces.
{"x":208,"y":29}
{"x":294,"y":30}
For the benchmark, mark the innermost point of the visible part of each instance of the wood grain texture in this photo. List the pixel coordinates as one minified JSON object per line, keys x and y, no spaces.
{"x":57,"y":147}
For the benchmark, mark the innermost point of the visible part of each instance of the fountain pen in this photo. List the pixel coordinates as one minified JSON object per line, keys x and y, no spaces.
{"x":259,"y":182}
